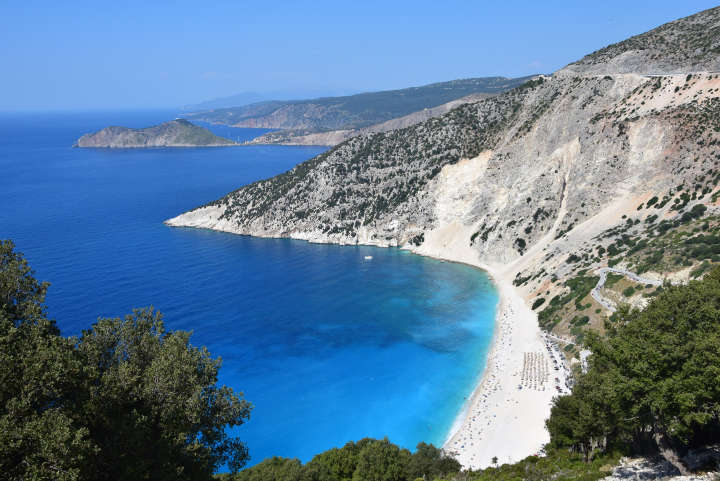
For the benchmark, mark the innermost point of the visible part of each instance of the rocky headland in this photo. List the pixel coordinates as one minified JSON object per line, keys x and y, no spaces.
{"x":175,"y":133}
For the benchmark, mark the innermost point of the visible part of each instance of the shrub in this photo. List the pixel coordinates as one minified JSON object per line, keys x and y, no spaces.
{"x":538,"y":302}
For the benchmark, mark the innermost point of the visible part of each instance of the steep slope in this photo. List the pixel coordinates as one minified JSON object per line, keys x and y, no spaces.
{"x":579,"y":141}
{"x":175,"y":133}
{"x":353,"y":111}
{"x":519,"y":181}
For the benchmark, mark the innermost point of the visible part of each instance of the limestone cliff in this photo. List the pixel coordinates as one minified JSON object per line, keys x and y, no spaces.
{"x":175,"y":133}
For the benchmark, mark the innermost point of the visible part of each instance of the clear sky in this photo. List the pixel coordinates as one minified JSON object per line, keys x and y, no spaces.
{"x":154,"y":54}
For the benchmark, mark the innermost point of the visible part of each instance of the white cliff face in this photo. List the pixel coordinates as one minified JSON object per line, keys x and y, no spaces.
{"x":454,"y":195}
{"x":203,"y":218}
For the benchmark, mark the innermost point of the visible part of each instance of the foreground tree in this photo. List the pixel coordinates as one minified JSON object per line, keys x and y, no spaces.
{"x":380,"y":460}
{"x":429,"y":462}
{"x":365,"y":460}
{"x":153,"y":406}
{"x":652,"y":380}
{"x":270,"y":469}
{"x":126,"y":401}
{"x":40,"y":378}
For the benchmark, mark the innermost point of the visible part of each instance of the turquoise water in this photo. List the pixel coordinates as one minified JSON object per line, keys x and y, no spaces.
{"x":329,"y":347}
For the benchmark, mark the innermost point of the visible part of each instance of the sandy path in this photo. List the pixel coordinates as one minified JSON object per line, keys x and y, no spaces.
{"x":607,"y":303}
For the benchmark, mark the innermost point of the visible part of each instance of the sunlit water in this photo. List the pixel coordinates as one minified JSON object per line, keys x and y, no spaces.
{"x":328,"y":346}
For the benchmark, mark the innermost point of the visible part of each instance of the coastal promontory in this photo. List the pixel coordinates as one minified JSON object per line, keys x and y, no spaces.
{"x":175,"y":133}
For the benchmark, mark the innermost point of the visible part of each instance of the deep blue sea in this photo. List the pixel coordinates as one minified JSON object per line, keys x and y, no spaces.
{"x":328,"y":346}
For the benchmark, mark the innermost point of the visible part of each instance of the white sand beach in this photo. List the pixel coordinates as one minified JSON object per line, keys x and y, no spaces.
{"x":505,"y":417}
{"x":500,"y":419}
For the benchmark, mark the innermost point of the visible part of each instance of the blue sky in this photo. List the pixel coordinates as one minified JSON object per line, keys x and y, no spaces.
{"x":155,"y":54}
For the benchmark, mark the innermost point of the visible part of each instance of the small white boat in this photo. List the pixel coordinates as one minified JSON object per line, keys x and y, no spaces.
{"x":368,"y":258}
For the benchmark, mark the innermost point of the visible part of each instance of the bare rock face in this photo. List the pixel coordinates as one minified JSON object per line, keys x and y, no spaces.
{"x":518,"y":180}
{"x":176,"y":133}
{"x":638,"y":469}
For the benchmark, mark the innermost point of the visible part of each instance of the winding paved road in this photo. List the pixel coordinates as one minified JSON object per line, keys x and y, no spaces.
{"x":607,"y":303}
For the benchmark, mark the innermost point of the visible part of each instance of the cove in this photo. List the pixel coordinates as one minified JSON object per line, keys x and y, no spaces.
{"x":327,"y":345}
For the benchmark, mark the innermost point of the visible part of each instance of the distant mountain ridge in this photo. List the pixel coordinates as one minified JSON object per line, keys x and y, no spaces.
{"x":353,"y":111}
{"x":244,"y":98}
{"x":175,"y":133}
{"x":334,"y":137}
{"x":247,"y":98}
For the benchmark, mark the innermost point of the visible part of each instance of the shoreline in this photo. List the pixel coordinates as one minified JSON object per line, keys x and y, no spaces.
{"x":479,"y":385}
{"x":462,"y":415}
{"x":498,"y":419}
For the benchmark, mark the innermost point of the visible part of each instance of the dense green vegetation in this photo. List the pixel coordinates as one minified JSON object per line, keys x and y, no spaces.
{"x":671,"y":244}
{"x":380,"y":460}
{"x":126,"y":400}
{"x":580,"y":286}
{"x":652,"y":379}
{"x":558,"y":465}
{"x":364,"y":460}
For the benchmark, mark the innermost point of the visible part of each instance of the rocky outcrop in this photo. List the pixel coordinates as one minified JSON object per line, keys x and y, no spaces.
{"x":705,"y":462}
{"x":175,"y":133}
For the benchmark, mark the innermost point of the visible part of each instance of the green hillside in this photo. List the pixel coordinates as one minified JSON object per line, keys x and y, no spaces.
{"x":354,"y":111}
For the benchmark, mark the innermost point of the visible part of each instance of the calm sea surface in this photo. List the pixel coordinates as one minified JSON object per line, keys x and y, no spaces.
{"x":329,"y":347}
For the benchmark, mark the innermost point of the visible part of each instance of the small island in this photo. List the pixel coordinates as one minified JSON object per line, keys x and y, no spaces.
{"x":175,"y":133}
